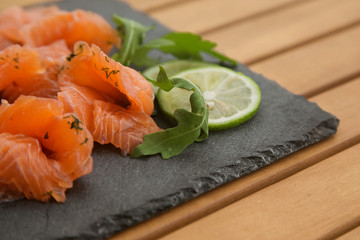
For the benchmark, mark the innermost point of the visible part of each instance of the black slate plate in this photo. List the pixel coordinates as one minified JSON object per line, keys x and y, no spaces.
{"x":122,"y":192}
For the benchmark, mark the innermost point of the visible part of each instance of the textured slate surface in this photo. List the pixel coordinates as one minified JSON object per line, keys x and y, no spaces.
{"x":122,"y":192}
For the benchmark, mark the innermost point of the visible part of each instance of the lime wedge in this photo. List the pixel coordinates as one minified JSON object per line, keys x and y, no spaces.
{"x":232,"y":97}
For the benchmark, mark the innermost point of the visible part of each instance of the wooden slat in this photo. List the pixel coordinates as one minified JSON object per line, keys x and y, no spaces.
{"x":316,"y":66}
{"x":347,"y":135}
{"x":266,"y":35}
{"x":142,"y":5}
{"x":6,"y":4}
{"x":352,"y":235}
{"x":203,"y":15}
{"x":146,"y":5}
{"x":320,"y":202}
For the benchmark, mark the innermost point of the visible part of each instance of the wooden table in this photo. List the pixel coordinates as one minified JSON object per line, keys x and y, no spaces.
{"x":312,"y":48}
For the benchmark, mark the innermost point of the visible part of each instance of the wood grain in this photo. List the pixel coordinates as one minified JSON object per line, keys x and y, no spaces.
{"x":316,"y":66}
{"x":348,"y":134}
{"x":214,"y":13}
{"x":265,"y":35}
{"x":146,"y":5}
{"x":141,"y":5}
{"x":6,"y":4}
{"x":311,"y":204}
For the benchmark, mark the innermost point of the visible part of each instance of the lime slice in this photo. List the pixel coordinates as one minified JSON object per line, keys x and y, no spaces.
{"x":173,"y":67}
{"x":232,"y":97}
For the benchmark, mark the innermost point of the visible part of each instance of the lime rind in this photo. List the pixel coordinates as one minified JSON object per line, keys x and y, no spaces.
{"x":173,"y":67}
{"x":242,"y":115}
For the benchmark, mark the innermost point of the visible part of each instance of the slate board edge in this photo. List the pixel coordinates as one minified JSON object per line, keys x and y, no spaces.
{"x":110,"y":225}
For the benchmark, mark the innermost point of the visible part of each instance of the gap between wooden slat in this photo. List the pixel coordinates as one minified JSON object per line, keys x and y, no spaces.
{"x":299,"y":45}
{"x":321,"y":202}
{"x":332,"y":85}
{"x":169,"y":5}
{"x":341,"y":230}
{"x":318,"y":65}
{"x":170,"y":223}
{"x":353,"y":234}
{"x":266,"y":12}
{"x":149,"y":6}
{"x":200,"y":16}
{"x":267,"y":35}
{"x":229,"y":193}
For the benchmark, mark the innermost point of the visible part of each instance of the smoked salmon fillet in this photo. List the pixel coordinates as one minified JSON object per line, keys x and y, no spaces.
{"x":42,"y":149}
{"x":114,"y":101}
{"x":41,"y":26}
{"x":14,"y":18}
{"x":107,"y":121}
{"x":91,"y":67}
{"x":31,"y":71}
{"x":56,"y":102}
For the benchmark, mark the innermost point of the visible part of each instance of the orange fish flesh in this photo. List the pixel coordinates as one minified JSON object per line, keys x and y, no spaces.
{"x":43,"y":150}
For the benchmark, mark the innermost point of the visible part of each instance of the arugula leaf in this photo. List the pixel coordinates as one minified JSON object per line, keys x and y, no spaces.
{"x":140,"y":56}
{"x":181,"y":45}
{"x":133,"y":34}
{"x":192,"y":126}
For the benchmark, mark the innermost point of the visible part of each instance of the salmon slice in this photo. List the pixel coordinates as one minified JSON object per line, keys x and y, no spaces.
{"x":31,"y":174}
{"x":23,"y":73}
{"x":80,"y":100}
{"x":38,"y":85}
{"x":108,"y":122}
{"x":53,"y":57}
{"x":31,"y":71}
{"x":72,"y":27}
{"x":5,"y":42}
{"x":123,"y":128}
{"x":14,"y":18}
{"x":92,"y":68}
{"x":42,"y":149}
{"x":17,"y":64}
